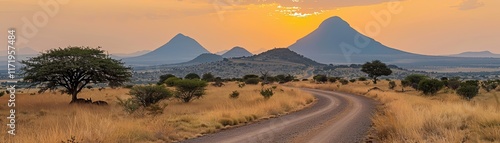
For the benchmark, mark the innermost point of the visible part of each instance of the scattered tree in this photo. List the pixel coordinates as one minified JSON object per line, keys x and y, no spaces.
{"x":73,"y":68}
{"x":468,"y":90}
{"x":234,"y":95}
{"x":192,"y":76}
{"x":171,"y":81}
{"x":320,"y":78}
{"x":253,"y":81}
{"x":164,"y":77}
{"x":430,"y":86}
{"x":267,"y":93}
{"x":414,"y":80}
{"x":208,"y":77}
{"x":189,"y":89}
{"x":376,"y":69}
{"x":151,"y":94}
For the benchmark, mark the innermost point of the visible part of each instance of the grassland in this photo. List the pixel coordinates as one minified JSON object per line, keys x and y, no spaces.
{"x":48,"y":118}
{"x":412,"y":117}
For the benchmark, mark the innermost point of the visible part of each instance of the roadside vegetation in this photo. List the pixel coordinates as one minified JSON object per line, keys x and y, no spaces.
{"x":450,"y":110}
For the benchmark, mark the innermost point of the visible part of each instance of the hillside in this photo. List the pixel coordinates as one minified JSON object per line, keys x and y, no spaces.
{"x":179,"y":49}
{"x":237,"y":52}
{"x":483,"y":54}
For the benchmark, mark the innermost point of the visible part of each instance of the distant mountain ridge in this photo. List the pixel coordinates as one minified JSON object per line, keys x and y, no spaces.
{"x":179,"y":49}
{"x":283,"y":55}
{"x":336,"y":42}
{"x":237,"y":52}
{"x":483,"y":54}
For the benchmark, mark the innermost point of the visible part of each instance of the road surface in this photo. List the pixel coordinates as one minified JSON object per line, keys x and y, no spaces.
{"x":335,"y":118}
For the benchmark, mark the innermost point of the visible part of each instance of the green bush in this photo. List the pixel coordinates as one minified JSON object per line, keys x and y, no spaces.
{"x":489,"y":85}
{"x":164,"y":77}
{"x":414,"y":80}
{"x":209,"y":77}
{"x":2,"y":93}
{"x":171,"y":81}
{"x":128,"y":86}
{"x":129,"y":105}
{"x":352,"y":80}
{"x":192,"y":76}
{"x":253,"y":81}
{"x":332,"y":79}
{"x":362,"y":79}
{"x":392,"y":85}
{"x":189,"y":89}
{"x":267,"y":93}
{"x":430,"y":86}
{"x":344,"y":81}
{"x":468,"y":90}
{"x":151,"y":94}
{"x":320,"y":78}
{"x":234,"y":95}
{"x":453,"y":83}
{"x":156,"y":109}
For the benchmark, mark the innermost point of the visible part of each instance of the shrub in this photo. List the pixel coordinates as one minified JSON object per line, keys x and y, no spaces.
{"x":129,"y":105}
{"x":241,"y":85}
{"x":453,"y":83}
{"x":192,"y":76}
{"x":249,"y":76}
{"x":128,"y":86}
{"x":489,"y":85}
{"x":468,"y":90}
{"x":164,"y":77}
{"x":352,"y":80}
{"x":2,"y":93}
{"x":332,"y":79}
{"x":253,"y":81}
{"x":344,"y":81}
{"x":320,"y":78}
{"x":209,"y":77}
{"x":414,"y":80}
{"x":267,"y":93}
{"x":362,"y":79}
{"x":234,"y":95}
{"x":152,"y":94}
{"x":404,"y":83}
{"x":392,"y":85}
{"x":430,"y":86}
{"x":189,"y":89}
{"x":171,"y":81}
{"x":156,"y":109}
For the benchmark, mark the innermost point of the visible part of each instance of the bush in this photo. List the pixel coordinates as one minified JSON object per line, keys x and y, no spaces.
{"x":253,"y":81}
{"x":2,"y":93}
{"x":392,"y":85}
{"x":128,"y":86}
{"x":320,"y":78}
{"x":453,"y":83}
{"x":156,"y":109}
{"x":234,"y":95}
{"x":332,"y":79}
{"x":414,"y":80}
{"x":430,"y":86}
{"x":468,"y":91}
{"x":344,"y":81}
{"x":241,"y":85}
{"x":267,"y":93}
{"x":129,"y":105}
{"x":171,"y":81}
{"x":209,"y":77}
{"x":189,"y":89}
{"x":164,"y":77}
{"x":362,"y":79}
{"x":192,"y":76}
{"x":489,"y":85}
{"x":249,"y":76}
{"x":352,"y":80}
{"x":147,"y":95}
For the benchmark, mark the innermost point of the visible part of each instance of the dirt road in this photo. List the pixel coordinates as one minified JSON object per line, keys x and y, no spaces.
{"x":336,"y":117}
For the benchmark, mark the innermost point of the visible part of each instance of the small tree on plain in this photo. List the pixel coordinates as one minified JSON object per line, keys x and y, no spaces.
{"x":189,"y":89}
{"x":320,"y":78}
{"x":73,"y":68}
{"x":164,"y":77}
{"x":376,"y":69}
{"x":430,"y":86}
{"x":414,"y":80}
{"x":192,"y":76}
{"x":148,"y":95}
{"x":468,"y":90}
{"x":267,"y":93}
{"x":208,"y":77}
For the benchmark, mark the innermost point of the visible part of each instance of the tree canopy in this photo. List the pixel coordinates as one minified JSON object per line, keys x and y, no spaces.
{"x":73,"y":68}
{"x":376,"y":69}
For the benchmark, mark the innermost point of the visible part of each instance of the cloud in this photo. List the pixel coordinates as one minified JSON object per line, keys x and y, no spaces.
{"x":470,"y":4}
{"x":304,"y":4}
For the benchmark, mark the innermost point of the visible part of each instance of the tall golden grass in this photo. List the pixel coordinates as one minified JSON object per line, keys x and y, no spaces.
{"x":48,"y":118}
{"x":413,"y":117}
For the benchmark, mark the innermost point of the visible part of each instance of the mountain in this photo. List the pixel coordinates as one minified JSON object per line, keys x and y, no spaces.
{"x":336,"y":42}
{"x":484,"y":54}
{"x":282,"y":55}
{"x":134,"y":54}
{"x":205,"y":58}
{"x":237,"y":52}
{"x":179,"y":49}
{"x":221,"y":52}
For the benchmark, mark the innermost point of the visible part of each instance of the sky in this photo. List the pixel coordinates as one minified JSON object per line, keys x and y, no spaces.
{"x":437,"y":27}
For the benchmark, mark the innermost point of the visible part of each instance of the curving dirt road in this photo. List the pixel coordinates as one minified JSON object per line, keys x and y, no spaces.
{"x":336,"y":117}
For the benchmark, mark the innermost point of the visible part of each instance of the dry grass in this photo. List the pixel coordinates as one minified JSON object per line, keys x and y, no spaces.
{"x":48,"y":118}
{"x":412,"y":117}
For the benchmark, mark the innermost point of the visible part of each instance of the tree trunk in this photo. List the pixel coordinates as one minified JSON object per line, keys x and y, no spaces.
{"x":73,"y":96}
{"x":374,"y":80}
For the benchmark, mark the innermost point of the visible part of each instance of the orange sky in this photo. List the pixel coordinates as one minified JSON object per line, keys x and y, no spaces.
{"x":123,"y":26}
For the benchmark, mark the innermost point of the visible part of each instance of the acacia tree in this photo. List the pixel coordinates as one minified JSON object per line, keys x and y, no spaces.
{"x":376,"y":69}
{"x":73,"y":68}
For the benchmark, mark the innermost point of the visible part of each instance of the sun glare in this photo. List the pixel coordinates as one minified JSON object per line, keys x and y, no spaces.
{"x":295,"y":11}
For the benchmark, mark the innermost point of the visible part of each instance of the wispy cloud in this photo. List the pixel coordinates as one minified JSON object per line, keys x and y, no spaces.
{"x":470,"y":4}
